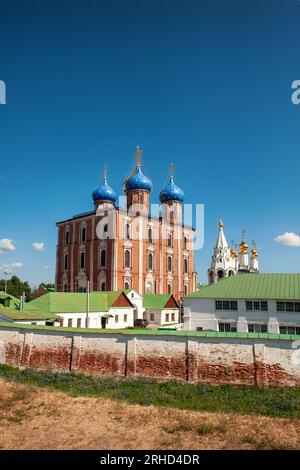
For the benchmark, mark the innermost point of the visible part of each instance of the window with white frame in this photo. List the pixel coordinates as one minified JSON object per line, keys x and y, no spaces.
{"x":127,"y":231}
{"x":185,"y":243}
{"x":289,"y":330}
{"x":150,"y":261}
{"x":169,"y":288}
{"x":127,"y":259}
{"x":170,"y":263}
{"x":186,"y":265}
{"x":226,"y":304}
{"x":67,"y":236}
{"x":257,"y":305}
{"x":83,"y":234}
{"x":257,"y":328}
{"x":227,"y":327}
{"x":82,"y":260}
{"x":288,"y":306}
{"x":102,"y":258}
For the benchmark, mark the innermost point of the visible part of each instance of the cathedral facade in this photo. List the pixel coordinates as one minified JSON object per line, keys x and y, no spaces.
{"x":112,"y":248}
{"x":227,"y":261}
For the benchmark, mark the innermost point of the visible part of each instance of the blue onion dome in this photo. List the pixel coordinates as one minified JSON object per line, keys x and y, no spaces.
{"x":138,"y":181}
{"x":104,"y":193}
{"x":171,"y":192}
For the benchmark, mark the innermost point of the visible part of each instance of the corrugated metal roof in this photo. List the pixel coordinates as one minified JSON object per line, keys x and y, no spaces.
{"x":155,"y":301}
{"x":25,"y":314}
{"x":74,"y":302}
{"x":253,"y":286}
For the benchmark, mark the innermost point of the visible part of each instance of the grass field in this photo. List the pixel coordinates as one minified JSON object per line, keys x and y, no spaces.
{"x":34,"y":417}
{"x":283,"y":403}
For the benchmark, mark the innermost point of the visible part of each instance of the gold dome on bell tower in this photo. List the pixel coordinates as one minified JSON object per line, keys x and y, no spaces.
{"x":243,"y":245}
{"x":253,"y":250}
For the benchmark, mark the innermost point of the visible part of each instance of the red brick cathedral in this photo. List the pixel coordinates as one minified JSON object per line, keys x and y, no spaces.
{"x":114,"y":248}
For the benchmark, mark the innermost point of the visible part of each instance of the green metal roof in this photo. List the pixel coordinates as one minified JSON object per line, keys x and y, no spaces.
{"x":13,"y":314}
{"x":253,"y":286}
{"x":74,"y":302}
{"x":155,"y":301}
{"x":14,"y":301}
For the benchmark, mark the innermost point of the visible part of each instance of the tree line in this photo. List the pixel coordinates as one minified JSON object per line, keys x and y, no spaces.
{"x":16,"y":287}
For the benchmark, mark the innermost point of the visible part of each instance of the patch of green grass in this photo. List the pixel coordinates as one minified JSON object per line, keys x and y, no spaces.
{"x":284,"y":402}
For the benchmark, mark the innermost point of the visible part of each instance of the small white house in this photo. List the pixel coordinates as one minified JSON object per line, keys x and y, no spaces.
{"x":137,"y":301}
{"x":260,"y":303}
{"x":161,"y":309}
{"x":94,"y":310}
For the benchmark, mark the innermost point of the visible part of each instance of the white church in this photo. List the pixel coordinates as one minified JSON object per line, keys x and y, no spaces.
{"x":228,"y":262}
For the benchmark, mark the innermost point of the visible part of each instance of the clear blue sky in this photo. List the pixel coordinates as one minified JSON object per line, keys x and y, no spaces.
{"x":204,"y":84}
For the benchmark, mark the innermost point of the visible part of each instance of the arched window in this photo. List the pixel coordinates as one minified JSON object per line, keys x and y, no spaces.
{"x":127,"y":259}
{"x":185,"y":243}
{"x":150,"y":240}
{"x":186,"y":289}
{"x":127,"y":231}
{"x":67,"y":236}
{"x":186,"y":266}
{"x":170,"y":241}
{"x":66,"y":262}
{"x":103,"y":286}
{"x":150,"y":261}
{"x":83,"y":234}
{"x":231,"y":273}
{"x":220,"y":274}
{"x":82,"y":260}
{"x":126,"y":285}
{"x":169,"y":288}
{"x":103,"y":258}
{"x":170,"y":263}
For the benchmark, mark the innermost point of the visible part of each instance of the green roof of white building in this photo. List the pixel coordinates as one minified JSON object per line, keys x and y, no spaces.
{"x":157,"y":301}
{"x":253,"y":286}
{"x":24,"y":315}
{"x":74,"y":302}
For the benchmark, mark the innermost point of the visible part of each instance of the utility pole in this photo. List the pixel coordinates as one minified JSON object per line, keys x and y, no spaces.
{"x":22,"y":301}
{"x":5,"y":285}
{"x":87,"y":304}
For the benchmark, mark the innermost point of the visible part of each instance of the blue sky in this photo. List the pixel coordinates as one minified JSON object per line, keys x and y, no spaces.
{"x":203,"y":84}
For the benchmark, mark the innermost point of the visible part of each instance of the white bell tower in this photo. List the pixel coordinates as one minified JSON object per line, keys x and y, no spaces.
{"x":222,"y":263}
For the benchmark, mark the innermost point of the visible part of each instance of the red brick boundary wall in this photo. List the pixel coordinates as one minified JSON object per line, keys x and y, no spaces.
{"x":232,"y":360}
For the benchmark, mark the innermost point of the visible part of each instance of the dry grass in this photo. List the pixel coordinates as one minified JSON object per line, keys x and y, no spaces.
{"x":35,"y":418}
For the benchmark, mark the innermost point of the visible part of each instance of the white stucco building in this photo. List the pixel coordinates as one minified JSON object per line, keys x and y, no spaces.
{"x":94,"y":310}
{"x":264,"y":303}
{"x":227,"y":262}
{"x":161,"y":309}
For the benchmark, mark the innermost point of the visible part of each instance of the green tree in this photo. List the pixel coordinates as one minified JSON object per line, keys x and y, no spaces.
{"x":16,"y":287}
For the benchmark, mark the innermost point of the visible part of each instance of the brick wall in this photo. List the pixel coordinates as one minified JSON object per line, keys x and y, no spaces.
{"x":229,"y":360}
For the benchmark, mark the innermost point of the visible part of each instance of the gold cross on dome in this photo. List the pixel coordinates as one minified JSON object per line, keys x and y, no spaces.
{"x":138,"y":155}
{"x":105,"y":171}
{"x":171,"y":170}
{"x":243,"y":234}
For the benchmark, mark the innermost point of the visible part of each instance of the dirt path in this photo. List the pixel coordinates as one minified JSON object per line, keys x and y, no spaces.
{"x":34,"y":418}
